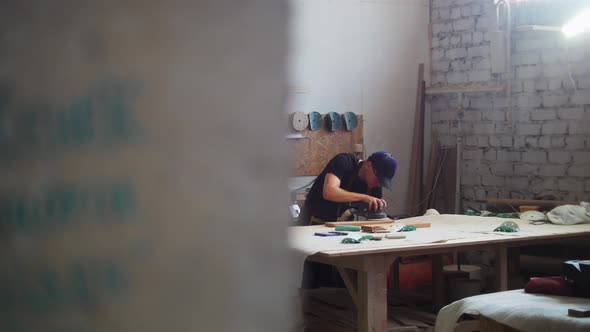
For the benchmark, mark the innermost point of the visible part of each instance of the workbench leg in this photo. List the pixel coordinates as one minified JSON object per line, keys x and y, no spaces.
{"x":514,"y":268}
{"x":502,"y":267}
{"x":372,"y":296}
{"x":438,"y":282}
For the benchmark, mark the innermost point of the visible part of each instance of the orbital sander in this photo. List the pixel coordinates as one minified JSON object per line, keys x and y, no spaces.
{"x":361,"y":211}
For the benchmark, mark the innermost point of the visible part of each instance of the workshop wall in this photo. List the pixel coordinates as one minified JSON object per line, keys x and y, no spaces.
{"x":545,"y":148}
{"x":362,"y":56}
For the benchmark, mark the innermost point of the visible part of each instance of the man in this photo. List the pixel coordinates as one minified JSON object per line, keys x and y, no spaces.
{"x":347,"y":179}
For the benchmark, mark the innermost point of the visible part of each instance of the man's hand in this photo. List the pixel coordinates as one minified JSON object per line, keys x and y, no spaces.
{"x":375,"y":204}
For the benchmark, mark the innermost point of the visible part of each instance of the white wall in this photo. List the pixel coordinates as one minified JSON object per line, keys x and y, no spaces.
{"x":362,"y":56}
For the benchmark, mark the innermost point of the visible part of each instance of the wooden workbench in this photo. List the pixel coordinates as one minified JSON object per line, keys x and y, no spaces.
{"x":364,"y":266}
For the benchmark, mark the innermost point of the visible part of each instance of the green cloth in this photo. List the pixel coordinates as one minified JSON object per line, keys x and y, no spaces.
{"x":408,"y":228}
{"x":351,"y":240}
{"x":506,"y":229}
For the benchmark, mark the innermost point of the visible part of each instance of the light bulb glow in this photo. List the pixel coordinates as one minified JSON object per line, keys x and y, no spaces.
{"x":577,"y":25}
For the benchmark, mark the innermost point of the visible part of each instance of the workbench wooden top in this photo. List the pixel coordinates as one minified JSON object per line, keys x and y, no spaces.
{"x":446,"y":231}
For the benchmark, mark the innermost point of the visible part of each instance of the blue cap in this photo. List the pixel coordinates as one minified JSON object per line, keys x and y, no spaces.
{"x":384,"y":166}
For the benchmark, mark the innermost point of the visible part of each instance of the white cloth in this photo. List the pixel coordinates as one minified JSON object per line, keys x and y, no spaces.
{"x":519,"y":310}
{"x":570,"y":214}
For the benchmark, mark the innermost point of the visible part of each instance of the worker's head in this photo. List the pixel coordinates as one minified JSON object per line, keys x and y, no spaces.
{"x":384,"y":167}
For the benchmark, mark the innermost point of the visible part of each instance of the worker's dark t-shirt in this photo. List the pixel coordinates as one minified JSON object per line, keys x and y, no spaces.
{"x":345,"y":166}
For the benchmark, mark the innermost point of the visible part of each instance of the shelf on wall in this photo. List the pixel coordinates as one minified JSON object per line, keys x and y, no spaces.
{"x":464,"y":89}
{"x":546,"y":28}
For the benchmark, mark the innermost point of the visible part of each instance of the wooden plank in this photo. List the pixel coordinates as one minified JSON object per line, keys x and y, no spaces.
{"x":359,"y":223}
{"x":375,"y":229}
{"x":429,"y":192}
{"x":418,"y":224}
{"x":417,"y":156}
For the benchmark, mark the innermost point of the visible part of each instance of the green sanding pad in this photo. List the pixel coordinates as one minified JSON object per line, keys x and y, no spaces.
{"x":348,"y":228}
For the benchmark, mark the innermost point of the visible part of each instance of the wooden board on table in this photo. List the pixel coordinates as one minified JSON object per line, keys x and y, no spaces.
{"x":359,"y":223}
{"x":376,"y":228}
{"x":418,"y":224}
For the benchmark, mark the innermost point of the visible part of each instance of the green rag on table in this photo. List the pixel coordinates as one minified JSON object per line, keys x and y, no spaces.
{"x":351,"y":240}
{"x":408,"y":228}
{"x":506,"y":229}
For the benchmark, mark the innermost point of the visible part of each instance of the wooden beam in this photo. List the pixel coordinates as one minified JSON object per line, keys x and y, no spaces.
{"x":502,"y":267}
{"x":372,"y":296}
{"x":349,"y":276}
{"x":416,"y":160}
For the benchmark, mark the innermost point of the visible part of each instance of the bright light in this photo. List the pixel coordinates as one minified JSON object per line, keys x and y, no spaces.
{"x":577,"y":25}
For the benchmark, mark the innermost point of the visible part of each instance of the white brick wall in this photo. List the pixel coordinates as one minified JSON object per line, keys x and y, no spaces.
{"x":464,"y":24}
{"x":498,"y":116}
{"x":537,"y":157}
{"x":579,"y":127}
{"x":504,"y":155}
{"x":581,"y":171}
{"x":576,"y":113}
{"x":479,"y":76}
{"x":557,"y":142}
{"x":528,"y":72}
{"x":554,"y":99}
{"x":555,"y":128}
{"x":478,"y":51}
{"x":543,"y":114}
{"x":547,"y":150}
{"x":581,"y":98}
{"x":559,"y":157}
{"x":528,"y":129}
{"x":502,"y":169}
{"x":456,"y":53}
{"x":472,"y":154}
{"x":582,"y":157}
{"x":526,"y":168}
{"x":493,"y":181}
{"x":570,"y":184}
{"x":517,"y":182}
{"x":552,"y":170}
{"x":502,"y":141}
{"x":575,"y":142}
